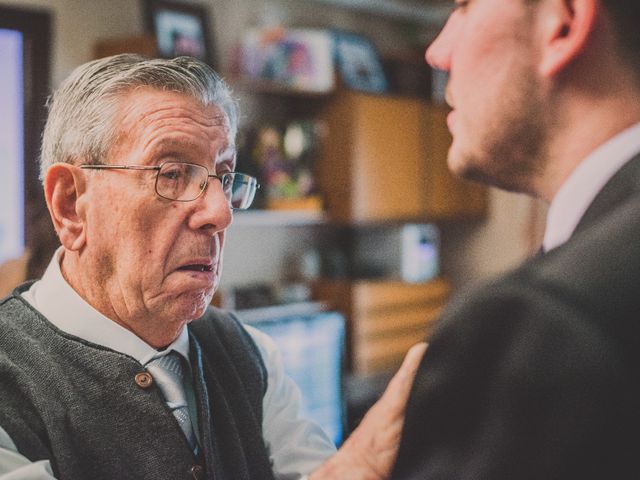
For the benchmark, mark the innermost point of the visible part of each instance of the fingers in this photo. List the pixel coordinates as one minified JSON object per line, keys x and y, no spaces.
{"x":412,"y":360}
{"x":370,"y":451}
{"x":397,"y":392}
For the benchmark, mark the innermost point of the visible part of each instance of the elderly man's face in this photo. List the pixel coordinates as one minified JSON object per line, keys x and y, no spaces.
{"x":158,"y":260}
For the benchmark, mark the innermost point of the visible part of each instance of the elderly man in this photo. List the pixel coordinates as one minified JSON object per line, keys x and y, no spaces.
{"x":102,"y":375}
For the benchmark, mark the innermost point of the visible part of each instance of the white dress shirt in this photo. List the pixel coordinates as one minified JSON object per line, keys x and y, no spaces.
{"x":296,"y":445}
{"x":584,"y":183}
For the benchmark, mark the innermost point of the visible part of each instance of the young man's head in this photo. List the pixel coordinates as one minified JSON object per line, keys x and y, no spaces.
{"x":522,"y":73}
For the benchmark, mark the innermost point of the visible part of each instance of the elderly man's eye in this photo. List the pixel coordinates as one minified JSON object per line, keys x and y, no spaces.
{"x":227,"y":180}
{"x":172,"y":173}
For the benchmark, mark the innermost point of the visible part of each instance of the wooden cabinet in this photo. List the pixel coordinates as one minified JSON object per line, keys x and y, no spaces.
{"x":447,"y":196}
{"x":384,"y":158}
{"x":384,"y":318}
{"x":370,"y":169}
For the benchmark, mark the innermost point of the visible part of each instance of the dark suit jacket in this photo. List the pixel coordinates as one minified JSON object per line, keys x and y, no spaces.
{"x":537,"y":375}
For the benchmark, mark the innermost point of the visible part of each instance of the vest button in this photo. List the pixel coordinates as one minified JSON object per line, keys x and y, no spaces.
{"x":144,"y":379}
{"x":197,"y":472}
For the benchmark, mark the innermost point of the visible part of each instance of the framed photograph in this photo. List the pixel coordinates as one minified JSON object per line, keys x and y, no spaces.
{"x":179,"y":28}
{"x":299,"y":59}
{"x":358,"y":62}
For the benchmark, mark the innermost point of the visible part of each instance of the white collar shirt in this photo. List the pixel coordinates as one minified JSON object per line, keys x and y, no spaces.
{"x":585,"y":182}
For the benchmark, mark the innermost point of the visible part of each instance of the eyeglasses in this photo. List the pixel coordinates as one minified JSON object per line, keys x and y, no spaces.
{"x":185,"y":182}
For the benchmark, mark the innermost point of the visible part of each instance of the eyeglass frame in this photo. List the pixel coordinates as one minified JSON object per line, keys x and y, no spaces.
{"x":157,"y":168}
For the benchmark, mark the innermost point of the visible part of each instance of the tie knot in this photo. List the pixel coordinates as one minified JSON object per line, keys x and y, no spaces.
{"x":170,"y":363}
{"x":168,"y":373}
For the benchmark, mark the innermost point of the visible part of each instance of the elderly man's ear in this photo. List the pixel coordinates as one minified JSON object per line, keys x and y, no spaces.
{"x":65,"y":192}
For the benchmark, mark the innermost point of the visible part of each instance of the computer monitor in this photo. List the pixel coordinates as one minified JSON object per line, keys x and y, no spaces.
{"x":25,"y":37}
{"x":312,"y":347}
{"x":11,"y":145}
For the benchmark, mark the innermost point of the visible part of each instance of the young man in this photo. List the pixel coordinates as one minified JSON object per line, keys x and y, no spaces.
{"x":535,"y":375}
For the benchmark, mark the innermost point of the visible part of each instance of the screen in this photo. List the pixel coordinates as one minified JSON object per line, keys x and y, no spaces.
{"x":11,"y":145}
{"x":312,"y":349}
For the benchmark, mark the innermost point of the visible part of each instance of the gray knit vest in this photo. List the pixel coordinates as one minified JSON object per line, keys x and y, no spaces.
{"x":78,"y":405}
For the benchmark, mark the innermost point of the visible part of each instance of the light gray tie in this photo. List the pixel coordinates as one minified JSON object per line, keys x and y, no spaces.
{"x":167,"y":371}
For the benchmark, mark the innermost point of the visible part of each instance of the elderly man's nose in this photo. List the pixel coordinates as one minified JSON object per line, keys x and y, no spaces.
{"x":213,"y":208}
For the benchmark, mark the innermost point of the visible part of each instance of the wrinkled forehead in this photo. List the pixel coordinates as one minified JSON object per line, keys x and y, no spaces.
{"x":146,"y":98}
{"x":156,"y":119}
{"x":149,"y":106}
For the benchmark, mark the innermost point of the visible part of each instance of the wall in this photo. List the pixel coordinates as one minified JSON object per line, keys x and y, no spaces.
{"x":77,"y":24}
{"x":471,"y":250}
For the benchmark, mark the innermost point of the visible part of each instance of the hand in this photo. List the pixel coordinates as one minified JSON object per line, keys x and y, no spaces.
{"x":371,"y":450}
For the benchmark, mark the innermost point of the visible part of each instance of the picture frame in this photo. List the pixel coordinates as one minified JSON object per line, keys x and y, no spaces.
{"x":358,"y":63}
{"x":298,"y":58}
{"x":179,"y":29}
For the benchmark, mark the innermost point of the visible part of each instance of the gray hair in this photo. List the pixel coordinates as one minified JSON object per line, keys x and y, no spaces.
{"x":81,"y":122}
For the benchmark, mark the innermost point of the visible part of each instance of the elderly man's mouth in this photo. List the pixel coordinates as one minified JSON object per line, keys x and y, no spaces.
{"x":198,"y":267}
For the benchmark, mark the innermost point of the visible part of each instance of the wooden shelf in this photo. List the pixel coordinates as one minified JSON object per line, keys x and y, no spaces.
{"x":391,"y":170}
{"x":266,"y":87}
{"x":384,"y":317}
{"x":278,"y":218}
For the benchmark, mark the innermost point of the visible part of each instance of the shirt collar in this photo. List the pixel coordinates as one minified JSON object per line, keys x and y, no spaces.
{"x":61,"y":305}
{"x":584,"y":183}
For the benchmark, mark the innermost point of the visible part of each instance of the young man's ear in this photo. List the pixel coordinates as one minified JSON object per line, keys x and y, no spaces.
{"x":64,"y":186}
{"x":567,"y":26}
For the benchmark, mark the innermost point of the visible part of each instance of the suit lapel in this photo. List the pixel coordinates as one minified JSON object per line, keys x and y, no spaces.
{"x":623,"y":184}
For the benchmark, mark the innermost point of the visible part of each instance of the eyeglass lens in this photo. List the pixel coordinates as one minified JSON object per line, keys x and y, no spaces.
{"x":185,"y":182}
